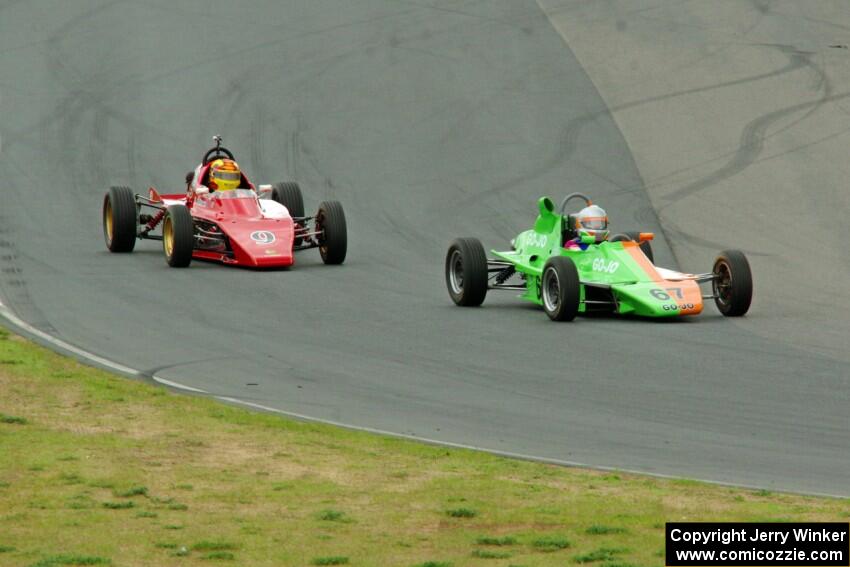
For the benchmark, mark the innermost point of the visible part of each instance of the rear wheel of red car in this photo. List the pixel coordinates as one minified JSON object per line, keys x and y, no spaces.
{"x":560,"y":289}
{"x":289,"y":195}
{"x":120,"y":219}
{"x":733,"y":283}
{"x":645,"y":246}
{"x":466,"y":272}
{"x":333,"y":234}
{"x":178,"y":236}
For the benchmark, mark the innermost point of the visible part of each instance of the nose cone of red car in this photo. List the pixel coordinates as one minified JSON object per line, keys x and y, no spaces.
{"x":263,"y":243}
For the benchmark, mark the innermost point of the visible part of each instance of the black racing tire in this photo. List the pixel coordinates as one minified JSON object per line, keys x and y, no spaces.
{"x":289,"y":195}
{"x":178,"y":236}
{"x":645,"y":246}
{"x":733,"y":283}
{"x":333,"y":233}
{"x":120,"y":219}
{"x":466,"y":272}
{"x":560,"y":289}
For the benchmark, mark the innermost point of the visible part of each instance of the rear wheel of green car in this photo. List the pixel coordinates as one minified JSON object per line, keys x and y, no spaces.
{"x":560,"y":289}
{"x":466,"y":272}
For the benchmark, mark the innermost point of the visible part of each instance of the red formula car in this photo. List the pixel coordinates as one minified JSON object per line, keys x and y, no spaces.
{"x":257,"y":227}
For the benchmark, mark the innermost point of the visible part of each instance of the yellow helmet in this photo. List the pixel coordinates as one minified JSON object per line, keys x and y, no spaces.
{"x":224,"y":175}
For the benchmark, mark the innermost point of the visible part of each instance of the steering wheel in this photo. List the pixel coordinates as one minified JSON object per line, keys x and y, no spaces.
{"x":571,"y":196}
{"x":215,"y":153}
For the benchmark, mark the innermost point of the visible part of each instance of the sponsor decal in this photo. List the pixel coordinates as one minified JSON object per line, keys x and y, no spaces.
{"x":602,"y":265}
{"x":536,"y":240}
{"x":675,"y":307}
{"x":262,"y":237}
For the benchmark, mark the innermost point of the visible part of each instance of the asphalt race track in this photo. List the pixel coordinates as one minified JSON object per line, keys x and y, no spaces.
{"x":435,"y":119}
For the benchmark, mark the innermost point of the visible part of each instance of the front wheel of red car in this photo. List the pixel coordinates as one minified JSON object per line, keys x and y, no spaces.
{"x":733,"y":283}
{"x":333,"y":234}
{"x":120,"y":219}
{"x":560,"y":289}
{"x":466,"y":272}
{"x":178,"y":236}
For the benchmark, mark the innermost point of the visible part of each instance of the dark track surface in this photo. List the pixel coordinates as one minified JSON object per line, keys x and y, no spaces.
{"x":428,"y":120}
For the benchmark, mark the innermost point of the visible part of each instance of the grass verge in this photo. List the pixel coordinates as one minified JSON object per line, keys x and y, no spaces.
{"x":100,"y":470}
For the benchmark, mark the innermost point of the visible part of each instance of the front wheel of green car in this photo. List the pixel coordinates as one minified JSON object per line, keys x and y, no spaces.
{"x":560,"y":289}
{"x":466,"y":272}
{"x":733,"y":283}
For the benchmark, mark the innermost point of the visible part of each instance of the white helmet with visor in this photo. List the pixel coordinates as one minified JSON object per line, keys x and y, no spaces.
{"x":593,"y":221}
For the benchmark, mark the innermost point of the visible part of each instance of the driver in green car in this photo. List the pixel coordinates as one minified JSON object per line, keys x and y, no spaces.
{"x":591,"y":226}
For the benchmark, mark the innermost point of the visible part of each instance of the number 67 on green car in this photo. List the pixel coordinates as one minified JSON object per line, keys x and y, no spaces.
{"x":569,"y":263}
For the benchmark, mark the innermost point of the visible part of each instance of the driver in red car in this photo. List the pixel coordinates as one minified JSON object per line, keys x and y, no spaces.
{"x":591,"y":226}
{"x":224,"y":175}
{"x":221,"y":174}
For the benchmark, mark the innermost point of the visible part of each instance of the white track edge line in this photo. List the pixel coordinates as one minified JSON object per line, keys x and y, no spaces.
{"x":127,"y":370}
{"x":50,"y":339}
{"x":178,"y":385}
{"x":511,"y":455}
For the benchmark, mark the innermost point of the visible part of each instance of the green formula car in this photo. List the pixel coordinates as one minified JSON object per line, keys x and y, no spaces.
{"x":570,"y":264}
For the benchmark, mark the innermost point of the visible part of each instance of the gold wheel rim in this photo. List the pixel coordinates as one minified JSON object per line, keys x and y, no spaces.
{"x":168,"y":237}
{"x":107,"y":219}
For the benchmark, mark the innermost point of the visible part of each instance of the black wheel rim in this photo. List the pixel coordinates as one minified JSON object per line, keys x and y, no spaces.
{"x":456,"y":272}
{"x":551,"y":290}
{"x":723,"y":283}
